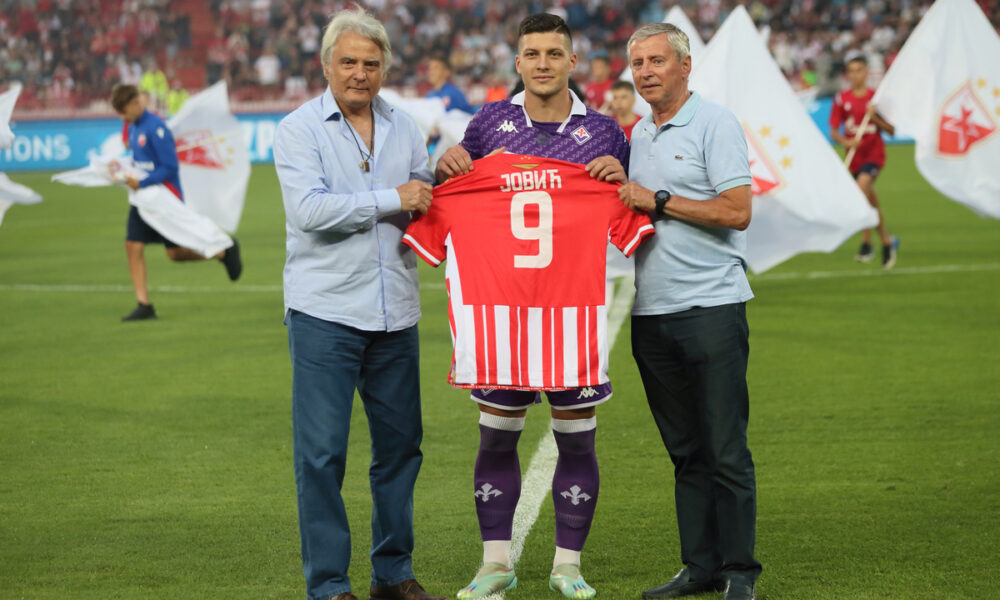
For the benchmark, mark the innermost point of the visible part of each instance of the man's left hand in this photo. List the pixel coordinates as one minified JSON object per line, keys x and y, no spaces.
{"x":607,"y":168}
{"x":637,"y":197}
{"x":132,"y":182}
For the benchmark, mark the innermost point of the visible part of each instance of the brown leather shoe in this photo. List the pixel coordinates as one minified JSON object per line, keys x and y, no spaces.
{"x":344,"y":596}
{"x":407,"y":590}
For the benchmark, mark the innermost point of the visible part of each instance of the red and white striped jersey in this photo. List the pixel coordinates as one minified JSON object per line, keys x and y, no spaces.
{"x":525,"y":239}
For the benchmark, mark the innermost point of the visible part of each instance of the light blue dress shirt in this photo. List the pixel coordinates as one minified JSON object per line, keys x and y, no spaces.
{"x":698,"y":154}
{"x":344,"y":261}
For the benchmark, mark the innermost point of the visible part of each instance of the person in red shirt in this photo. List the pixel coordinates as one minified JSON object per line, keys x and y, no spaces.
{"x":600,"y":82}
{"x":850,"y":108}
{"x":622,"y":103}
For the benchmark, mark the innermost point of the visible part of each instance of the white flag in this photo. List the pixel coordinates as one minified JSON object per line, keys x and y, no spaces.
{"x":451,"y":127}
{"x":7,"y":101}
{"x":425,"y":112}
{"x":157,"y":205}
{"x":14,"y":193}
{"x":675,"y":16}
{"x":804,"y":199}
{"x":943,"y":90}
{"x":214,"y":162}
{"x":11,"y":193}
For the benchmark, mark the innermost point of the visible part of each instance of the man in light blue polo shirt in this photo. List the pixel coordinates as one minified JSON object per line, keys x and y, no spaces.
{"x":351,"y":170}
{"x":688,"y":165}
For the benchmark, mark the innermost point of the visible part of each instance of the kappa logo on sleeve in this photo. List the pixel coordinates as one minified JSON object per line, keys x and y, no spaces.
{"x":581,"y":135}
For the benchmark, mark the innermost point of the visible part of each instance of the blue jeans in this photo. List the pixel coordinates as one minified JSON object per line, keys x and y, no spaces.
{"x":330,"y":361}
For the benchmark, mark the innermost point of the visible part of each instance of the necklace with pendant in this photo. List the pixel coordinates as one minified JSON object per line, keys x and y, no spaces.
{"x":364,"y":164}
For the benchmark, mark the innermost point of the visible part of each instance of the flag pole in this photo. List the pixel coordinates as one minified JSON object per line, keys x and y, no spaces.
{"x":857,"y":139}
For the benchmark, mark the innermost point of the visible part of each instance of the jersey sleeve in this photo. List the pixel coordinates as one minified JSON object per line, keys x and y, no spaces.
{"x":472,"y":140}
{"x":621,"y":146}
{"x":167,"y":165}
{"x":726,"y":156}
{"x":628,"y":228}
{"x":836,"y":113}
{"x":427,"y":233}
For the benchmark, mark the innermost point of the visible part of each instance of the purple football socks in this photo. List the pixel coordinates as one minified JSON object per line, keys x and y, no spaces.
{"x":576,"y":481}
{"x":497,"y":475}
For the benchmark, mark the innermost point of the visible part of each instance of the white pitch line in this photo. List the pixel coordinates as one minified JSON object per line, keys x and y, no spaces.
{"x":538,"y":479}
{"x":166,"y":289}
{"x":241,"y":288}
{"x":930,"y":269}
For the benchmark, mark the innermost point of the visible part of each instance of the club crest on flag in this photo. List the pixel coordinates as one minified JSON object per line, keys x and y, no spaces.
{"x":765,"y":175}
{"x":581,"y":135}
{"x":964,"y":121}
{"x":200,"y":148}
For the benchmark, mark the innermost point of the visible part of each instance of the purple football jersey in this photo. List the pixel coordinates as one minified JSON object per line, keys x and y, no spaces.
{"x":584,"y":136}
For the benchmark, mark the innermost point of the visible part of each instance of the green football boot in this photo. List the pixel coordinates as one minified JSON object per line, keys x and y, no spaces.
{"x":566,"y":580}
{"x":491,"y":578}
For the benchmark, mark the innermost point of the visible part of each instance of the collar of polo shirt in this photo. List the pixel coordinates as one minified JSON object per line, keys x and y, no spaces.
{"x":578,"y":109}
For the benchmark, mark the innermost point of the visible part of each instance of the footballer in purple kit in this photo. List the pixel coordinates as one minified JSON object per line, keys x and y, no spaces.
{"x":545,"y":120}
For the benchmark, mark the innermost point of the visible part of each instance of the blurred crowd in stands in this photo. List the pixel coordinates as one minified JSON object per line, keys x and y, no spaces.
{"x":69,"y":53}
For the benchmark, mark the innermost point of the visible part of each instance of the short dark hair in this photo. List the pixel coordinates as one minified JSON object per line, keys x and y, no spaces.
{"x":623,"y":85}
{"x":121,"y":95}
{"x":441,"y":58}
{"x":860,"y":58}
{"x":544,"y":23}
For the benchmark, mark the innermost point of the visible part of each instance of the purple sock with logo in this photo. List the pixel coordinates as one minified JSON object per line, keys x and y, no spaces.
{"x":497,"y":475}
{"x":576,"y":481}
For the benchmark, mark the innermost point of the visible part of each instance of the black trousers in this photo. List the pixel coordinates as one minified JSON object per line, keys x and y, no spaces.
{"x":693,"y":366}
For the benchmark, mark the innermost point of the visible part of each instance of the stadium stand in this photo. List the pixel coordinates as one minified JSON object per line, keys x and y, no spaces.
{"x":68,"y":53}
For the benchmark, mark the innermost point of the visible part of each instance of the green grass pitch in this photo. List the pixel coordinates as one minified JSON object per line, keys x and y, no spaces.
{"x":153,"y":460}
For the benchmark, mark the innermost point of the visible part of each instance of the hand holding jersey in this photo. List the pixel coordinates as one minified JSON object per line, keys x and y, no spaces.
{"x":415,"y":195}
{"x":457,"y":161}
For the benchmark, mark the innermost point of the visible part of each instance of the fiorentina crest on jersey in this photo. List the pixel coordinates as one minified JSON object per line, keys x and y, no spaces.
{"x":765,"y":177}
{"x":964,"y":122}
{"x":200,"y":148}
{"x":581,"y":135}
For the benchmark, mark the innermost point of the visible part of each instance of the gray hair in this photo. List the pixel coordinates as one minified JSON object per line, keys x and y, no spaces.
{"x":360,"y":22}
{"x":677,"y":39}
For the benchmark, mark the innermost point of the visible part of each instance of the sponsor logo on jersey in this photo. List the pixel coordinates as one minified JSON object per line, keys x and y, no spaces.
{"x":487,"y":491}
{"x":964,"y":122}
{"x":141,"y":140}
{"x":587,"y":392}
{"x":507,"y":127}
{"x":581,"y":135}
{"x":575,"y":495}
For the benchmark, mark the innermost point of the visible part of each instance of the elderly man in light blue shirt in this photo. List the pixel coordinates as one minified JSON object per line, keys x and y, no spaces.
{"x":352,"y":169}
{"x":688,"y":165}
